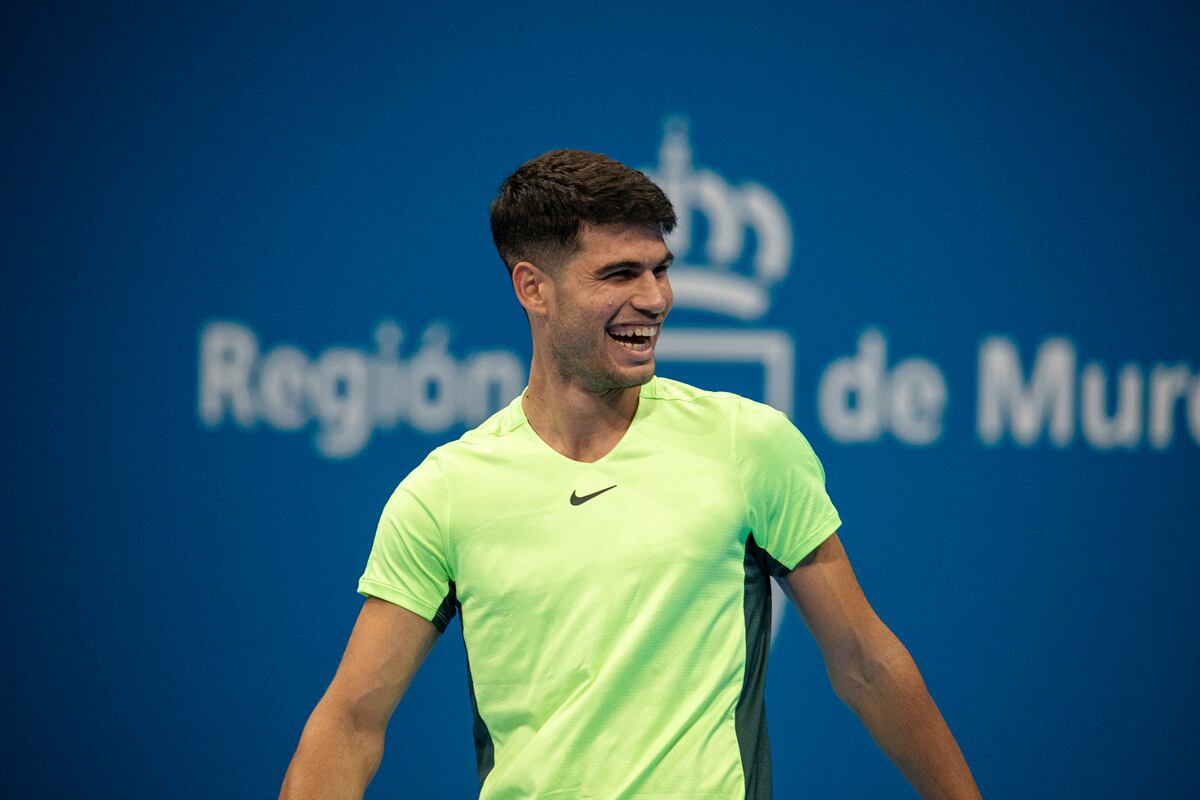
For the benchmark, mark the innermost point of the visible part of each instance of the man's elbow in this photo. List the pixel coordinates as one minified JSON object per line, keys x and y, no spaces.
{"x":871,"y":668}
{"x":358,"y":725}
{"x":338,"y":753}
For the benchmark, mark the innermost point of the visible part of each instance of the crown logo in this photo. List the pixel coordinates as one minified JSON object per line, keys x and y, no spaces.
{"x":717,"y":276}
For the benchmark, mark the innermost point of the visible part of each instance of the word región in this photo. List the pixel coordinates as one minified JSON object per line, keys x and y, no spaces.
{"x":349,"y":393}
{"x":346,"y":394}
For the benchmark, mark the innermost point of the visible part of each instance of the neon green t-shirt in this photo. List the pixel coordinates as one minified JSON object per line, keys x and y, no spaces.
{"x":616,"y":614}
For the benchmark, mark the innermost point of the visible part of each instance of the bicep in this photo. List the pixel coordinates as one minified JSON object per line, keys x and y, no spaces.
{"x":385,"y":650}
{"x":827,"y":593}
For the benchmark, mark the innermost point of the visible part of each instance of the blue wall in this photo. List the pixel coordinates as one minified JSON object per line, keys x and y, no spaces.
{"x":1004,"y":200}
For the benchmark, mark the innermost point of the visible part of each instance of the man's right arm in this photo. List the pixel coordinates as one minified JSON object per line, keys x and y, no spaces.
{"x":342,"y":742}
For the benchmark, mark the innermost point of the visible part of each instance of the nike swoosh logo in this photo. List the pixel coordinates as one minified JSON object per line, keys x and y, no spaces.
{"x":576,"y":500}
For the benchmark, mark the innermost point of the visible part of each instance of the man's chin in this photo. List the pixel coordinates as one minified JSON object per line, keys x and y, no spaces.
{"x":638,"y":375}
{"x":625,"y":377}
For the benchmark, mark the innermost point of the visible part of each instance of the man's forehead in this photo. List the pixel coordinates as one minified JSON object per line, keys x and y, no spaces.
{"x":630,"y":239}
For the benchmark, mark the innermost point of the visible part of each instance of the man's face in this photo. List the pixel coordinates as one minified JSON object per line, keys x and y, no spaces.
{"x":609,"y":301}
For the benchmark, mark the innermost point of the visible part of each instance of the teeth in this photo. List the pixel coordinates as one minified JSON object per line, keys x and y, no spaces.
{"x":644,"y":331}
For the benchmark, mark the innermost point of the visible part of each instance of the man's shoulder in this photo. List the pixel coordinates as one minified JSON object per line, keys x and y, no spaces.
{"x":487,"y":435}
{"x":670,"y":390}
{"x":751,"y":421}
{"x":673,"y":391}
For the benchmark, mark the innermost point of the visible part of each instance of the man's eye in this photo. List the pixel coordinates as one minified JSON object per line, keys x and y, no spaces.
{"x":662,"y":270}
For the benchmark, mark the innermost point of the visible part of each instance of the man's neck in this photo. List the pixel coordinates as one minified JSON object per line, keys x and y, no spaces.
{"x":581,"y":424}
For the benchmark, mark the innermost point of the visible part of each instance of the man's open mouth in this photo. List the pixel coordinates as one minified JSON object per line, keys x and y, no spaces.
{"x":634,"y":337}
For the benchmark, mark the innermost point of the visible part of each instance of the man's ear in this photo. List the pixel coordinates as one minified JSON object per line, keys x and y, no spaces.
{"x":534,"y":288}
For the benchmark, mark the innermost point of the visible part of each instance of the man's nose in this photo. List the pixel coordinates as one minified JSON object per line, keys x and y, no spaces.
{"x":653,"y":293}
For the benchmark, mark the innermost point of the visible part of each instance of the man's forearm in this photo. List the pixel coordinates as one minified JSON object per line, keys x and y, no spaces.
{"x":334,"y":760}
{"x":890,"y":698}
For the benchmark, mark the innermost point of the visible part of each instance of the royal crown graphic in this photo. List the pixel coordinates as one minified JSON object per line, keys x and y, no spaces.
{"x":719,"y":276}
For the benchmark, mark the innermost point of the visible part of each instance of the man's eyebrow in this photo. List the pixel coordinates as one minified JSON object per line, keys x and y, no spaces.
{"x":619,"y":265}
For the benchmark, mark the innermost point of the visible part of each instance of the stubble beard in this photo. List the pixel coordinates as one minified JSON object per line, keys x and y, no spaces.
{"x":576,"y":361}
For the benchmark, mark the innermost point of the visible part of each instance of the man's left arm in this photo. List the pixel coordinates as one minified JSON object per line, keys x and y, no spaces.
{"x":873,"y":673}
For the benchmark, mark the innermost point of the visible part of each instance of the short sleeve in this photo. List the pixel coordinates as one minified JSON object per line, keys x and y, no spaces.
{"x":788,"y":509}
{"x":408,"y":564}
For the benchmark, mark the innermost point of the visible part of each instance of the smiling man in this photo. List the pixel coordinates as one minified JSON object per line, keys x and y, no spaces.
{"x":608,"y":539}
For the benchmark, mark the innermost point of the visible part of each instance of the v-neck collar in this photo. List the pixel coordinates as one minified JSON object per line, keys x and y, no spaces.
{"x":519,"y":420}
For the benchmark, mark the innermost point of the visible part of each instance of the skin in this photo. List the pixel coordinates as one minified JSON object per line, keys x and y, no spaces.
{"x":583,"y":385}
{"x":342,"y":742}
{"x":873,"y":673}
{"x":583,"y":393}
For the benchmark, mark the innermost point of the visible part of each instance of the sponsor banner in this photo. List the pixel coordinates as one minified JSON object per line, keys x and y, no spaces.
{"x":1052,"y":397}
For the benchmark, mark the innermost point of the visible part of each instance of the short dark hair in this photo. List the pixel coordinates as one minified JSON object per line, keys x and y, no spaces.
{"x":541,"y":207}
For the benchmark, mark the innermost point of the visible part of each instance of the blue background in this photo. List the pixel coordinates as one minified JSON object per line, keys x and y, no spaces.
{"x":176,"y":597}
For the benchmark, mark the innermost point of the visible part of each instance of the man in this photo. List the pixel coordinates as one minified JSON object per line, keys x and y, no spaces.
{"x":609,"y":539}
